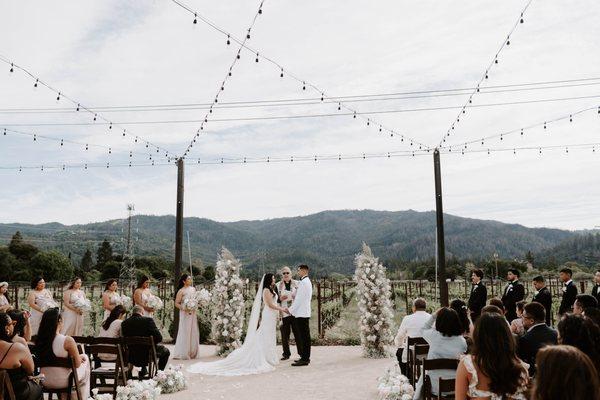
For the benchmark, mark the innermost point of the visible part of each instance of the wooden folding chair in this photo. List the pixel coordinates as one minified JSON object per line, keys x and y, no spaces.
{"x":410,"y":362}
{"x":72,"y":382}
{"x":435,"y":364}
{"x":117,"y":372}
{"x":419,"y":354}
{"x":143,"y":343}
{"x":446,"y":389}
{"x":6,"y":389}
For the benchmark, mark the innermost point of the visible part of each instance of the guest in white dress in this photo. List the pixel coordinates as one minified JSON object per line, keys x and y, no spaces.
{"x":111,"y":328}
{"x":187,"y":344}
{"x":142,"y":294}
{"x":110,"y":297}
{"x":39,"y":300}
{"x":50,"y":344}
{"x":73,"y":316}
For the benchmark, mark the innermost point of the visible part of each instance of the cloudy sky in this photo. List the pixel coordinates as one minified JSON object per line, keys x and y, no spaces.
{"x":130,"y":54}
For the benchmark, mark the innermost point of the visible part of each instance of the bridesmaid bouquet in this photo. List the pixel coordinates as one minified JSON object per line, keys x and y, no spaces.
{"x":47,"y":303}
{"x":190,"y":303}
{"x":82,"y":304}
{"x":155,"y":302}
{"x":394,"y":386}
{"x":203,"y":297}
{"x":125,"y":301}
{"x":171,"y":380}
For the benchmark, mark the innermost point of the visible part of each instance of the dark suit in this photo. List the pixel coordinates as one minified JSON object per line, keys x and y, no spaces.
{"x":137,"y":325}
{"x":568,"y":298}
{"x":513,"y":293}
{"x":544,"y":297}
{"x":596,"y":293}
{"x":477,"y":300}
{"x":532,"y":341}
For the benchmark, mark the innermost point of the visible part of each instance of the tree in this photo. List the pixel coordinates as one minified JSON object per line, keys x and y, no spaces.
{"x":104,"y":254}
{"x":8,"y":264}
{"x":209,"y":273}
{"x":228,"y":300}
{"x":86,"y":261}
{"x":20,"y":249}
{"x":52,"y":265}
{"x":110,"y":270}
{"x":374,"y":304}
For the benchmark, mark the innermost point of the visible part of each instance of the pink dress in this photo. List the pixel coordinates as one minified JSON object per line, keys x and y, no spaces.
{"x":57,"y":377}
{"x":187,"y":344}
{"x":42,"y":299}
{"x":72,"y":320}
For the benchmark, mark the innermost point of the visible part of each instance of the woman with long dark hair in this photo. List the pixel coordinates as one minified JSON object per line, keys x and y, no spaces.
{"x":39,"y":300}
{"x":461,"y":309}
{"x":111,"y":328}
{"x":565,"y":373}
{"x":73,"y":298}
{"x":51,"y":344}
{"x":110,"y":297}
{"x":492,"y":370}
{"x":187,"y":344}
{"x":581,"y":332}
{"x":142,"y":294}
{"x":17,"y":361}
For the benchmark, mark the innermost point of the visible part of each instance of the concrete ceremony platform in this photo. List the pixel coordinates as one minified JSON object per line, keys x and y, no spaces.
{"x":335,"y":372}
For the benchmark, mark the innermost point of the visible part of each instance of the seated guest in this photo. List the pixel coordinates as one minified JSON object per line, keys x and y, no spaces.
{"x":492,"y":370}
{"x":584,"y":302}
{"x":445,"y":341}
{"x":593,"y":314}
{"x":461,"y":309}
{"x":411,"y":326}
{"x":495,"y":309}
{"x":138,"y":325}
{"x":516,"y":325}
{"x":111,"y":328}
{"x":543,"y":296}
{"x":50,"y":344}
{"x":565,"y":373}
{"x":538,"y":334}
{"x":581,"y":332}
{"x":16,"y":359}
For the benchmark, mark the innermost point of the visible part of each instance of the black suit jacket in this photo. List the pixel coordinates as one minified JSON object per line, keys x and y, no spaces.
{"x":513,"y":293}
{"x":568,"y":298}
{"x":596,"y":293}
{"x":544,"y":297}
{"x":531,"y":342}
{"x":478,"y":298}
{"x":137,"y":325}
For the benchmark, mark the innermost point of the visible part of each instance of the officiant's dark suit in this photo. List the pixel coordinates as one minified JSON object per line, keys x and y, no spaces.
{"x":138,"y":325}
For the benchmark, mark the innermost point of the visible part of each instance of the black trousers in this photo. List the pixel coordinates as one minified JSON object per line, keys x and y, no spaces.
{"x":303,"y":338}
{"x":287,"y":327}
{"x":163,"y":356}
{"x":399,"y":357}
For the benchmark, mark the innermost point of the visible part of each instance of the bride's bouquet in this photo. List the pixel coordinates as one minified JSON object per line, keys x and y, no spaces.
{"x":124,"y":301}
{"x":47,"y":303}
{"x":82,"y":304}
{"x":154,"y":302}
{"x":171,"y":380}
{"x":394,"y":386}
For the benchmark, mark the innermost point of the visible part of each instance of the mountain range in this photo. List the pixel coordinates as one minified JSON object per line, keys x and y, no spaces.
{"x":328,"y":239}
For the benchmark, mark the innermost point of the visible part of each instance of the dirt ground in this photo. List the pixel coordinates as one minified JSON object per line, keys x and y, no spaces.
{"x":335,"y":372}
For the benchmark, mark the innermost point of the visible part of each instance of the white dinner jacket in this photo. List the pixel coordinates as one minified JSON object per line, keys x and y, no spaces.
{"x":301,"y":306}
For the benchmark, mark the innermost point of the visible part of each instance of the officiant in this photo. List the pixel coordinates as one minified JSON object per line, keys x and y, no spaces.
{"x":286,"y":290}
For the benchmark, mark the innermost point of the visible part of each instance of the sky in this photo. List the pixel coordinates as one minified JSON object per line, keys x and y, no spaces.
{"x":114,"y":53}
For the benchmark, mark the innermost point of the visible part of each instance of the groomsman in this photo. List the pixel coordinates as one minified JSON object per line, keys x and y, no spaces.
{"x":569,"y":291}
{"x":300,"y":309}
{"x":286,"y":289}
{"x":543,"y":296}
{"x":513,"y":293}
{"x":478,"y":297}
{"x":596,"y":288}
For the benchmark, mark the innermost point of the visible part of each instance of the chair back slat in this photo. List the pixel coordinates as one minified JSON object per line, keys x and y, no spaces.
{"x":73,"y":380}
{"x":440,"y":363}
{"x":446,"y":389}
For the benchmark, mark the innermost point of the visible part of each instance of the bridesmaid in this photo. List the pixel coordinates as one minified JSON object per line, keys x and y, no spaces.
{"x":142,"y":294}
{"x":72,"y":316}
{"x":38,"y":299}
{"x":4,"y":303}
{"x":187,"y":344}
{"x":110,"y":297}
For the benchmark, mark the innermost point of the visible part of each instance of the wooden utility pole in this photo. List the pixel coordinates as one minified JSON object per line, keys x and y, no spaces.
{"x":178,"y":237}
{"x":441,"y":251}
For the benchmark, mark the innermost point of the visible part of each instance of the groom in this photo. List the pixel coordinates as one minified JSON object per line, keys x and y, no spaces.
{"x":300,"y":310}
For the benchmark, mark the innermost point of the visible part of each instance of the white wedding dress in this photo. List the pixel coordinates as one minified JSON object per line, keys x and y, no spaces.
{"x":257,"y":355}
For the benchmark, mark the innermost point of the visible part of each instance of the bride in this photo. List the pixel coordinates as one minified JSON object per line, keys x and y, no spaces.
{"x":258,"y":353}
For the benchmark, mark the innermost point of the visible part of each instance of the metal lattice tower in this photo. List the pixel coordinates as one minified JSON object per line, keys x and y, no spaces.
{"x":127,"y":272}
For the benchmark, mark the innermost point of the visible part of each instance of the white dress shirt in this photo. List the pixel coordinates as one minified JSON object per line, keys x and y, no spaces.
{"x":411,"y":326}
{"x":301,"y":306}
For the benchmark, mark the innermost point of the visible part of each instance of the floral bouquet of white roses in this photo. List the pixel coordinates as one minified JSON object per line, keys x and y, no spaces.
{"x":138,"y":390}
{"x":171,"y":380}
{"x":203,"y":297}
{"x":124,"y":301}
{"x":155,"y":303}
{"x":96,"y":396}
{"x":47,"y":303}
{"x":82,"y":304}
{"x":394,"y":386}
{"x":190,"y":303}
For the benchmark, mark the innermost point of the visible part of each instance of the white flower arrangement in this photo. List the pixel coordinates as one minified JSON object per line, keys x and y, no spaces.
{"x":228,"y":301}
{"x":203,"y":297}
{"x":394,"y":386}
{"x":171,"y":380}
{"x":154,"y":302}
{"x":46,"y":304}
{"x":82,"y":304}
{"x":374,"y":304}
{"x":124,"y":301}
{"x":135,"y":390}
